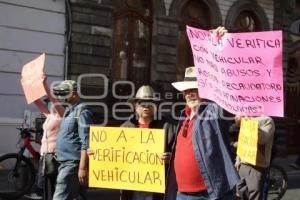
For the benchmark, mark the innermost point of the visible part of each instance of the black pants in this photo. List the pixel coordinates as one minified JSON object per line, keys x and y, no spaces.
{"x":47,"y":184}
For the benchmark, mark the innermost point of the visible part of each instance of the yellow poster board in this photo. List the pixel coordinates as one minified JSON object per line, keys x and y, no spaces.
{"x":248,"y":141}
{"x":127,"y":158}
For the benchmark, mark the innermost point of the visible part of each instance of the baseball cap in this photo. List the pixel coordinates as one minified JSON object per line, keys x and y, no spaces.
{"x":65,"y":87}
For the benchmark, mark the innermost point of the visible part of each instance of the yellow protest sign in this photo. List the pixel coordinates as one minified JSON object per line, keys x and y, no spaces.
{"x":248,"y":141}
{"x":127,"y":158}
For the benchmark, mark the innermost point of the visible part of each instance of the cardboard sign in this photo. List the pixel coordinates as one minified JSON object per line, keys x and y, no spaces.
{"x":242,"y":72}
{"x":127,"y":158}
{"x":248,"y":141}
{"x":32,"y":79}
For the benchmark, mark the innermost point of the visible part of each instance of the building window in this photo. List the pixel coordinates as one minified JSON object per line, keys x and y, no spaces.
{"x":247,"y":21}
{"x":132,"y":41}
{"x":196,"y":14}
{"x":246,"y":16}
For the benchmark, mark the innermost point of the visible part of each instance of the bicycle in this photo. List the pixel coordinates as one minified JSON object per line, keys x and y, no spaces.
{"x":17,"y":172}
{"x":276,"y":184}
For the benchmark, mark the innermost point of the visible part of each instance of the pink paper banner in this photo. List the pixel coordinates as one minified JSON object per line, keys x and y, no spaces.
{"x":32,"y":79}
{"x":242,"y":72}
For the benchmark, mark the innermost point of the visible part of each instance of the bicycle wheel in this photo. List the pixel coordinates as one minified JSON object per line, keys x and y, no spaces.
{"x":278,"y":180}
{"x":16,"y":178}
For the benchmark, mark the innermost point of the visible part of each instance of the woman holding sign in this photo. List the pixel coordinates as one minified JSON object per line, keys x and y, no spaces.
{"x":53,"y":111}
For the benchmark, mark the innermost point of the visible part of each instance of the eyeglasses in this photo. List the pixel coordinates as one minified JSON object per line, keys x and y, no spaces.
{"x":146,"y":103}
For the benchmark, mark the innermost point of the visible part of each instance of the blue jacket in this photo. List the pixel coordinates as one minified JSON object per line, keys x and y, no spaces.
{"x":211,"y":149}
{"x":74,"y":132}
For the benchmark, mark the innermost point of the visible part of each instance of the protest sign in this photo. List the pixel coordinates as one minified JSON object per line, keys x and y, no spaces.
{"x":248,"y":141}
{"x":242,"y":72}
{"x":32,"y":79}
{"x":127,"y":158}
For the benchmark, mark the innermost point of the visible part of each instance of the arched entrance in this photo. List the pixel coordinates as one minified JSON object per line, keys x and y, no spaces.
{"x":196,"y":14}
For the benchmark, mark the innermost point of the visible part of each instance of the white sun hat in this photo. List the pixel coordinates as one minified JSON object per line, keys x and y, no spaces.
{"x":189,"y":82}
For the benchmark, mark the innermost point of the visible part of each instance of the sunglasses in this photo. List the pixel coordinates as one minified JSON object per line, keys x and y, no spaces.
{"x":61,"y":93}
{"x":186,"y":127}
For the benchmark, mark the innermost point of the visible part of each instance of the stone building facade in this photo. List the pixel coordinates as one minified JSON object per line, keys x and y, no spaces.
{"x":287,"y":18}
{"x":106,"y":43}
{"x":145,"y":42}
{"x":97,"y":28}
{"x":27,"y":29}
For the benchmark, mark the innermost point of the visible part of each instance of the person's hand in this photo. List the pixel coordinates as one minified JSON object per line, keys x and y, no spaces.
{"x":90,"y":152}
{"x":83,"y":176}
{"x":44,"y":77}
{"x":237,"y":120}
{"x":220,"y":31}
{"x":45,"y":82}
{"x":234,"y":144}
{"x":237,"y":164}
{"x":166,"y":157}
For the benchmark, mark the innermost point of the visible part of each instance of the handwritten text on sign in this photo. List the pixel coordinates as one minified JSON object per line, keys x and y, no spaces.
{"x":240,"y":71}
{"x":127,"y":158}
{"x":248,"y":141}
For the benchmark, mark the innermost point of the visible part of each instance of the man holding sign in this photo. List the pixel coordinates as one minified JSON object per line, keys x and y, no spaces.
{"x":201,"y":165}
{"x":254,"y":154}
{"x":242,"y":72}
{"x":144,"y":104}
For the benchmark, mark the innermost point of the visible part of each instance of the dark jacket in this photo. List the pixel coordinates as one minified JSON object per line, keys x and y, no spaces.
{"x":212,"y":154}
{"x":169,"y":128}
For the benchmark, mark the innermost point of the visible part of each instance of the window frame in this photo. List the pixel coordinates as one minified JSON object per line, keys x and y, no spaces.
{"x":132,"y":15}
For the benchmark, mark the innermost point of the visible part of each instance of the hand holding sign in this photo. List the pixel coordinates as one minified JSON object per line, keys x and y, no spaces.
{"x":33,"y":79}
{"x":220,"y":31}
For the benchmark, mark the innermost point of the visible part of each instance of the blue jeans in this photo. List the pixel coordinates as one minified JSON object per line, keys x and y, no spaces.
{"x":192,"y":196}
{"x":67,"y":182}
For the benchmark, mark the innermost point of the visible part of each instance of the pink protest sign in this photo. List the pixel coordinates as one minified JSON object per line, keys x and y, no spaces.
{"x":32,"y":79}
{"x":242,"y":72}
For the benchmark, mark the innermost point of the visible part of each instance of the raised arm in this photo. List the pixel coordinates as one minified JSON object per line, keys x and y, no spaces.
{"x":57,"y":105}
{"x":42,"y":107}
